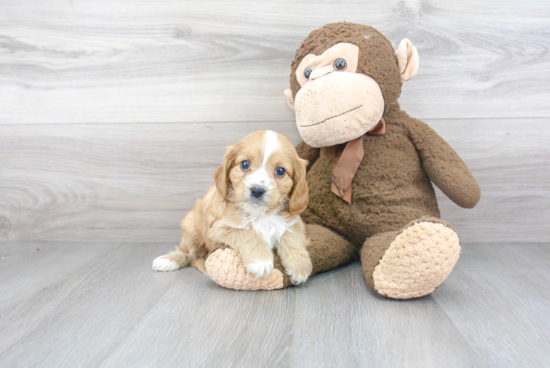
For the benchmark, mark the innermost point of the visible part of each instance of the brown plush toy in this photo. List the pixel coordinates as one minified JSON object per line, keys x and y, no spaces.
{"x":371,"y":168}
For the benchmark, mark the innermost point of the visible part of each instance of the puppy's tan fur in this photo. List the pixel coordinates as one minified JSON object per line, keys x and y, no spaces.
{"x":228,"y":215}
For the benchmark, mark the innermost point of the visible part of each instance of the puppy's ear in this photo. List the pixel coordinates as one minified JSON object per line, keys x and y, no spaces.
{"x":300,"y":192}
{"x":221,"y":176}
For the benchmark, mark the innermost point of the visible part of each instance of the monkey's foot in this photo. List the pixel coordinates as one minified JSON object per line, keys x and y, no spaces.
{"x":413,"y":262}
{"x":226,"y":269}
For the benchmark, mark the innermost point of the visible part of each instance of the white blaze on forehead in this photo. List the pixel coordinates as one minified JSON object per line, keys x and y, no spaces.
{"x":260,"y":177}
{"x":270,"y":144}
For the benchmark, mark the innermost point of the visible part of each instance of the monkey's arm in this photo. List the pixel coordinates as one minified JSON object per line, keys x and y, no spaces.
{"x":443,"y":165}
{"x":308,"y":153}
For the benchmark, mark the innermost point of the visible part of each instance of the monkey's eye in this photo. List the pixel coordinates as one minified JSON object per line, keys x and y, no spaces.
{"x":307,"y":72}
{"x":280,"y":172}
{"x":340,"y":64}
{"x":245,"y":165}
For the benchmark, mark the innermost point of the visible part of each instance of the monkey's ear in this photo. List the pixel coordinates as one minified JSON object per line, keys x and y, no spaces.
{"x":407,"y":60}
{"x":289,"y":98}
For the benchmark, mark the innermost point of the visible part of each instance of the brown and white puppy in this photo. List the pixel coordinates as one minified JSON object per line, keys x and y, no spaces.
{"x":260,"y":191}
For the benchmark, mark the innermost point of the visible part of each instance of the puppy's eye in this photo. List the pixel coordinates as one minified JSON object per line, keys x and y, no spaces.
{"x":307,"y":73}
{"x":340,"y":64}
{"x":280,"y":172}
{"x":245,"y":165}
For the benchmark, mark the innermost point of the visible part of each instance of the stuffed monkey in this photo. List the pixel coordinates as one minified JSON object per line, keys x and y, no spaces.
{"x":371,"y":169}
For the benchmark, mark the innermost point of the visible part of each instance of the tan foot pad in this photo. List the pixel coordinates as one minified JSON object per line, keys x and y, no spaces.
{"x":227,"y":269}
{"x":417,"y":261}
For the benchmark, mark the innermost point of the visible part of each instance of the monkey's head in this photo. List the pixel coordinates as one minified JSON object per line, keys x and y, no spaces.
{"x":344,"y":78}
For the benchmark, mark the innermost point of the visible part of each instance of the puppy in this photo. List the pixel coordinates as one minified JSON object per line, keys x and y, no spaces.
{"x":254,"y":207}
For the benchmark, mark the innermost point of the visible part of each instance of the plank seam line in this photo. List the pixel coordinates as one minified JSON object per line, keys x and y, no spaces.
{"x":257,"y":121}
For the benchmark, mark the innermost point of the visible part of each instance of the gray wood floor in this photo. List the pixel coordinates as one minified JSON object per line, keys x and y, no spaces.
{"x":100,"y":305}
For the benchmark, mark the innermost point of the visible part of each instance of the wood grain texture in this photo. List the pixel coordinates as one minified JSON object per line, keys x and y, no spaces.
{"x":100,"y":305}
{"x":136,"y":182}
{"x":205,"y":61}
{"x":521,"y":274}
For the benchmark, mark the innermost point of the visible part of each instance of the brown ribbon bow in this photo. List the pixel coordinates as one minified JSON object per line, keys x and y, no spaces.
{"x":348,"y":162}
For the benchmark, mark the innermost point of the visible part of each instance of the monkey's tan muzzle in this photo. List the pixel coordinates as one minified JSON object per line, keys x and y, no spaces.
{"x":337,"y":108}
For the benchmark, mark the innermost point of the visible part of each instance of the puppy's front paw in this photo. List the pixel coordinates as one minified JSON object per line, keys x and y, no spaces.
{"x":164,"y":265}
{"x":300,"y":271}
{"x":297,"y":278}
{"x":260,"y":268}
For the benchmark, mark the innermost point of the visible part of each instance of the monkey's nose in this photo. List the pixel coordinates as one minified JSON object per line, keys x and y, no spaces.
{"x":257,"y":192}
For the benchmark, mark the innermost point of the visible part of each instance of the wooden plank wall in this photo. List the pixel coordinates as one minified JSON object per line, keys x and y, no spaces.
{"x":114,"y":115}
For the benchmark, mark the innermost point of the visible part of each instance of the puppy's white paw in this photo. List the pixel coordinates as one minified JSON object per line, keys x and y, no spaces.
{"x":164,"y":265}
{"x":260,"y":268}
{"x":297,"y":278}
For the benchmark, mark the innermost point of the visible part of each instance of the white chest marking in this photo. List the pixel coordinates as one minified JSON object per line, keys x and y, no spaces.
{"x":271,"y":228}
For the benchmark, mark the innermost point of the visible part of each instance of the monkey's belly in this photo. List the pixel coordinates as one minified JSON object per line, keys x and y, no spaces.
{"x":382,"y":200}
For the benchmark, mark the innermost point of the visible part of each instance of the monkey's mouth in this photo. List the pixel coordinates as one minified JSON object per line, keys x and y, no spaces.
{"x":332,"y":117}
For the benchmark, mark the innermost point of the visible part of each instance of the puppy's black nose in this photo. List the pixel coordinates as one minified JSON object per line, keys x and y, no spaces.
{"x":257,"y":192}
